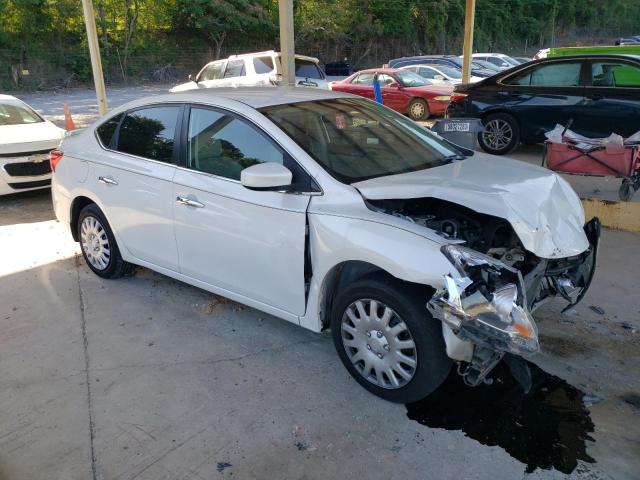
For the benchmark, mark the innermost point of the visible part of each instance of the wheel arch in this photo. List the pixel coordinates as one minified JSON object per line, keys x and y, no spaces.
{"x":347,"y":272}
{"x":76,"y":207}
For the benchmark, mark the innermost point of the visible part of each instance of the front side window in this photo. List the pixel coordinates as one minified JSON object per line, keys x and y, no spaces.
{"x":235,"y":68}
{"x":107,"y":129}
{"x":615,"y":74}
{"x":212,"y":72}
{"x":149,"y":133}
{"x":355,"y":139}
{"x":15,"y":112}
{"x":385,"y":80}
{"x":549,"y":75}
{"x":263,"y":64}
{"x":224,"y":145}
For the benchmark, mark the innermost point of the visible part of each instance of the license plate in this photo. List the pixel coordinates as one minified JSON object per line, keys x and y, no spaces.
{"x":457,"y":127}
{"x":307,"y":84}
{"x":38,"y":157}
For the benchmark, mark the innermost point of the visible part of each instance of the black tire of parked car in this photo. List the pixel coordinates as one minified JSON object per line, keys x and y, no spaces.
{"x":503,"y":120}
{"x":116,"y":267}
{"x":424,"y":111}
{"x":409,"y":302}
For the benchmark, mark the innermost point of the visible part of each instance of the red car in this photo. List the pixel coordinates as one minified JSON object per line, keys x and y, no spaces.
{"x":404,"y":91}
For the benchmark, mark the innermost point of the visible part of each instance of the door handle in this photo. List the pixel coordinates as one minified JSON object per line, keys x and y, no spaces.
{"x":107,"y":180}
{"x":189,"y":202}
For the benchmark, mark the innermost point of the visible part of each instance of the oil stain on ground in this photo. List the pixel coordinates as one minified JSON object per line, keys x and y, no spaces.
{"x":545,"y":428}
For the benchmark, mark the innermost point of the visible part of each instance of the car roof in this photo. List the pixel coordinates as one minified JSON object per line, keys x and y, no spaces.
{"x":255,"y":97}
{"x":592,"y":55}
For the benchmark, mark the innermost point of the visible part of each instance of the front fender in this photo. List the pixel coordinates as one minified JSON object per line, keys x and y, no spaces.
{"x":405,"y":255}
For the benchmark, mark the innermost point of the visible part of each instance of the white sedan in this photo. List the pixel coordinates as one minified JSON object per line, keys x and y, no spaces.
{"x":331,"y":211}
{"x":440,"y":74}
{"x":25,"y":141}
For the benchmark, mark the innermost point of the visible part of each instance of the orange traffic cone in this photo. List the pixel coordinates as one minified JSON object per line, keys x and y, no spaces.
{"x":68,"y":120}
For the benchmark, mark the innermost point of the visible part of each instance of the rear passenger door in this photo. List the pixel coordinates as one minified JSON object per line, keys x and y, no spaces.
{"x":245,"y":244}
{"x":132,"y":177}
{"x":612,"y":98}
{"x":544,"y":95}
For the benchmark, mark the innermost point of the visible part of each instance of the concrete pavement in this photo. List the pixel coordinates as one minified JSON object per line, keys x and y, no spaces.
{"x":148,"y":378}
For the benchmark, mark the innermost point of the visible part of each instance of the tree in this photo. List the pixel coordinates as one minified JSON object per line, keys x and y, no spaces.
{"x":217,"y":19}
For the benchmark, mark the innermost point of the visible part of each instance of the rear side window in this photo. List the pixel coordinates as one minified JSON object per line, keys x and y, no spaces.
{"x":107,"y":129}
{"x":308,"y":69}
{"x":235,"y":68}
{"x":550,"y":75}
{"x":615,"y":74}
{"x":363,"y":79}
{"x":149,"y":133}
{"x":263,"y":64}
{"x":427,"y":73}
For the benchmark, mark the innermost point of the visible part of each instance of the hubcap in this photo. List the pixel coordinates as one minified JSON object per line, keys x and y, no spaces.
{"x":417,"y":110}
{"x":379,"y":344}
{"x":497,"y":134}
{"x":95,"y":243}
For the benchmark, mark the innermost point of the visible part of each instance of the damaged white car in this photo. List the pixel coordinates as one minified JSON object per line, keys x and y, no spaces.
{"x":331,"y":211}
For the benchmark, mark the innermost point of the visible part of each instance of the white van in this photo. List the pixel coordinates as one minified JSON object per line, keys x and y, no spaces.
{"x":255,"y":69}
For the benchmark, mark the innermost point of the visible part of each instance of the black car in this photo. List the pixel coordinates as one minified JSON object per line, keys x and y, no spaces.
{"x":600,"y":94}
{"x":447,"y":60}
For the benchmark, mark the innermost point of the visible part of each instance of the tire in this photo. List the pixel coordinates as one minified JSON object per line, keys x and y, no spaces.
{"x":501,"y":134}
{"x":627,"y":190}
{"x":418,"y":110}
{"x":98,"y":245}
{"x":408,"y":307}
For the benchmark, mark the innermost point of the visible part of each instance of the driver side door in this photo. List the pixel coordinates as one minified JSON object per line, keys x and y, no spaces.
{"x":243,"y":244}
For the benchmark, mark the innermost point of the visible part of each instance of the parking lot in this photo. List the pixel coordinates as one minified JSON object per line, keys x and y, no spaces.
{"x":146,"y":377}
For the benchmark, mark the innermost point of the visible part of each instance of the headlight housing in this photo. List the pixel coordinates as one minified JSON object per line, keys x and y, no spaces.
{"x":486,"y":303}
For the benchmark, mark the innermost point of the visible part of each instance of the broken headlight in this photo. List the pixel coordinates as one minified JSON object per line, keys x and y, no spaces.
{"x":486,"y":303}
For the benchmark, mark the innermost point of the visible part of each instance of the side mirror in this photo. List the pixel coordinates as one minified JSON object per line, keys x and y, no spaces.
{"x":192,"y":78}
{"x":268,"y":176}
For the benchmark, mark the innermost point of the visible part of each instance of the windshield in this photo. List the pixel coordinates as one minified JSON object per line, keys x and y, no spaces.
{"x":411,"y":79}
{"x":15,"y":112}
{"x":356,"y":139}
{"x":308,"y":69}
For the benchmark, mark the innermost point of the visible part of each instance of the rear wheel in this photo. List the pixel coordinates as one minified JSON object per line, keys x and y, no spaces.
{"x":501,"y":134}
{"x":418,"y":109}
{"x":387,"y":339}
{"x":99,"y":247}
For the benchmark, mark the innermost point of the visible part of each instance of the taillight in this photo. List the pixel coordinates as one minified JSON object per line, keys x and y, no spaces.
{"x":54,"y":157}
{"x":458,"y":97}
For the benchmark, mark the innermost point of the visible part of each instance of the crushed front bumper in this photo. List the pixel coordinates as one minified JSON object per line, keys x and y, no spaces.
{"x":487,"y":303}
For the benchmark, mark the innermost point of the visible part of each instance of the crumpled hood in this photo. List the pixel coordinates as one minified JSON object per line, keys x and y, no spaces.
{"x":29,"y":137}
{"x":543,"y":209}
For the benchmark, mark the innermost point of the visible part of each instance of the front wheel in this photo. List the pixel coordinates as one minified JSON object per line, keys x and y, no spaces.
{"x":418,"y":110}
{"x":387,"y":339}
{"x":501,"y":134}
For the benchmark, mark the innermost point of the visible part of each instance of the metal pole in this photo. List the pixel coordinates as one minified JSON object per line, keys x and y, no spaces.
{"x":287,"y":48}
{"x":94,"y":52}
{"x":469,"y":19}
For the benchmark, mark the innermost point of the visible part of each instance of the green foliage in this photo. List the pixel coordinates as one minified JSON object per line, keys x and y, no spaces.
{"x":163,"y":40}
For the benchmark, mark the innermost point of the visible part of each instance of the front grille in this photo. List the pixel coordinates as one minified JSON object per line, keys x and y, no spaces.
{"x":27,"y":169}
{"x":24,"y":185}
{"x":24,"y":154}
